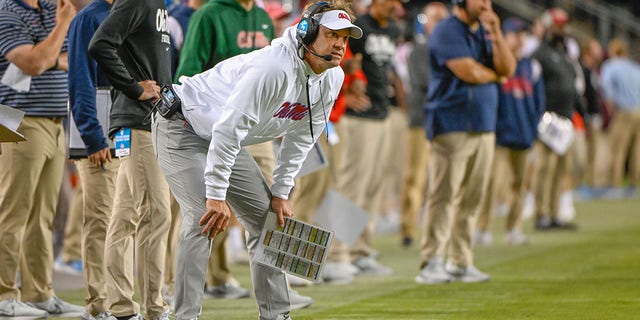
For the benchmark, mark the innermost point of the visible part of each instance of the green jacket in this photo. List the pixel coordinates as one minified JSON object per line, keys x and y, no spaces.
{"x":219,"y":30}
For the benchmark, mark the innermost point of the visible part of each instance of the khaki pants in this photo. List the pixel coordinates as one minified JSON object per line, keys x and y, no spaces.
{"x":72,"y":244}
{"x":393,"y":182}
{"x":579,"y":158}
{"x":311,"y":189}
{"x":264,"y":156}
{"x":30,"y":177}
{"x":459,"y":167}
{"x":415,"y":177}
{"x":98,"y":187}
{"x":142,"y":210}
{"x":598,"y":167}
{"x":551,"y":170}
{"x":361,"y":171}
{"x":625,"y":142}
{"x":512,"y":163}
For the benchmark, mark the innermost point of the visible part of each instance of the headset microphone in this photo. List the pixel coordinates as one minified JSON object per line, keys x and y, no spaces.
{"x":326,"y":57}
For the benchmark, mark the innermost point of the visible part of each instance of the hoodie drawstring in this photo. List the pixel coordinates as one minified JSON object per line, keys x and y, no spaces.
{"x":309,"y":108}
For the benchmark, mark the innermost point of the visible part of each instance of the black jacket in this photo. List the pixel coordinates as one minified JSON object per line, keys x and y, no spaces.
{"x":559,"y":79}
{"x":132,"y":45}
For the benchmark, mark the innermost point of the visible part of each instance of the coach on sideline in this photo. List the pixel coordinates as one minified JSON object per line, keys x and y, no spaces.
{"x":468,"y":57}
{"x":283,"y":90}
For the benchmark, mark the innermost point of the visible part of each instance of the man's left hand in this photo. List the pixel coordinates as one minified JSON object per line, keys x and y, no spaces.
{"x":282,"y":208}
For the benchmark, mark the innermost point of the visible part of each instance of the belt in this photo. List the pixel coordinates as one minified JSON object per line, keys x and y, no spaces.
{"x":56,"y":120}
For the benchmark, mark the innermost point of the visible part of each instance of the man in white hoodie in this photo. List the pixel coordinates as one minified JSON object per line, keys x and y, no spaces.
{"x":284,"y":90}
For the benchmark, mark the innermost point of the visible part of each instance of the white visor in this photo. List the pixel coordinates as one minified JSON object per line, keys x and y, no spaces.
{"x":338,"y":20}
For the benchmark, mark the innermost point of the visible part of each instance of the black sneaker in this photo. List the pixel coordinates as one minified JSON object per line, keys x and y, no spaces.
{"x":561,"y":225}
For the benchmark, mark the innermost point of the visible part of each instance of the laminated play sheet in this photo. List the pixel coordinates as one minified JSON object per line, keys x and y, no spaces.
{"x":298,"y":248}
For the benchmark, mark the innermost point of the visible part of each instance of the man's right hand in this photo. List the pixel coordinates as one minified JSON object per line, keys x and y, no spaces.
{"x":353,"y":65}
{"x":216,"y":219}
{"x":356,"y":97}
{"x":101,"y":157}
{"x":151,"y":90}
{"x":65,"y":12}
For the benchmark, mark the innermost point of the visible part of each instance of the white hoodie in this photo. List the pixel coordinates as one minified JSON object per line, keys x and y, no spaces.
{"x":254,"y":98}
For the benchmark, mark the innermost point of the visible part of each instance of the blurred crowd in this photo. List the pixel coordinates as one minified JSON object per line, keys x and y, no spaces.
{"x":446,"y":119}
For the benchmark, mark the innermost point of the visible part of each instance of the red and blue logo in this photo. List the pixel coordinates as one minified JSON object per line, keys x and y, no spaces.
{"x":294,"y":111}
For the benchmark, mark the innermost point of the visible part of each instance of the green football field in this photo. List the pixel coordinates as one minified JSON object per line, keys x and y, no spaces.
{"x":592,"y":273}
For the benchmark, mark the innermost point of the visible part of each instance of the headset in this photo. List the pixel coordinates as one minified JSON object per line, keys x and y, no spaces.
{"x":460,"y":3}
{"x":308,"y":27}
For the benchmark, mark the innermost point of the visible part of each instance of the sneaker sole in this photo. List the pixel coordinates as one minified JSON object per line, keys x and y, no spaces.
{"x":24,"y":317}
{"x":67,"y":315}
{"x":301,"y":306}
{"x":420,"y":280}
{"x":230,"y":297}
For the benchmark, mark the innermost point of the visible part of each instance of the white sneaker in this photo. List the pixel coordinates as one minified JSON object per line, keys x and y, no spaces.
{"x":298,"y":282}
{"x":104,"y":315}
{"x":433,"y":273}
{"x":164,"y":315}
{"x":482,"y":238}
{"x":58,"y":308}
{"x":73,"y":268}
{"x":338,"y":272}
{"x":529,"y":206}
{"x":169,"y":298}
{"x":468,"y":274}
{"x":369,"y":265}
{"x":16,"y":310}
{"x":229,"y":290}
{"x":516,"y":237}
{"x":566,"y":209}
{"x":299,"y":301}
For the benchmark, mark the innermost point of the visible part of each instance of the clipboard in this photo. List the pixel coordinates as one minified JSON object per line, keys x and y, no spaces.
{"x":10,"y":119}
{"x":77,"y":148}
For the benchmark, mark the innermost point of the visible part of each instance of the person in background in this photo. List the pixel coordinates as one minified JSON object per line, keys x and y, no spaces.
{"x":132,"y":47}
{"x":33,"y":46}
{"x":468,"y":57}
{"x":521,"y":101}
{"x":591,"y":55}
{"x":365,"y":128}
{"x":278,"y":15}
{"x":178,"y":23}
{"x":98,"y":170}
{"x":418,"y":146}
{"x":621,"y":89}
{"x":559,"y":76}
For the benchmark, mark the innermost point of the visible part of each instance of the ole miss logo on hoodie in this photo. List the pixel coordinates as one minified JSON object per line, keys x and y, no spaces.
{"x":294,"y":111}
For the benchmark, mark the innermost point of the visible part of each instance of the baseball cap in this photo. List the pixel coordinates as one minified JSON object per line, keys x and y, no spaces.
{"x":514,"y":25}
{"x":275,"y":10}
{"x":555,"y":16}
{"x":338,"y":20}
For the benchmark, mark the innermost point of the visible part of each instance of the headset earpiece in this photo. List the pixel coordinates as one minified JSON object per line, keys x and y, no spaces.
{"x":307,"y":29}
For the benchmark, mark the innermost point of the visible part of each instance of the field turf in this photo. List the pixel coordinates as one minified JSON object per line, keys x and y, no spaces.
{"x":591,"y":273}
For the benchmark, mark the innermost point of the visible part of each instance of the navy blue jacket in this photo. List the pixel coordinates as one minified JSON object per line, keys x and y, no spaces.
{"x":85,"y":76}
{"x":521,"y":104}
{"x":454,"y":105}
